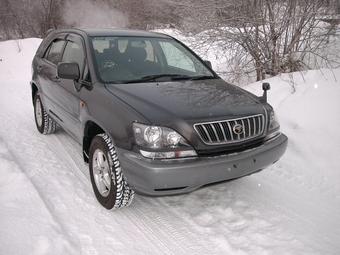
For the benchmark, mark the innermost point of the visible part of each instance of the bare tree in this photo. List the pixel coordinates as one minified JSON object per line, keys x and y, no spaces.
{"x":148,"y":14}
{"x":264,"y":37}
{"x":29,"y":18}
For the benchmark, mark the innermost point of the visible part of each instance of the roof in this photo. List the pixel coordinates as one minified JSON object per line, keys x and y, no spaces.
{"x":120,"y":32}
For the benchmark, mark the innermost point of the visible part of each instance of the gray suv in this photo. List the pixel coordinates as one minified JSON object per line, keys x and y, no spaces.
{"x":151,"y":116}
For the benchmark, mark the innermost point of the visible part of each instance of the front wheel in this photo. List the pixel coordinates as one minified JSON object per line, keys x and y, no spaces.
{"x":108,"y":182}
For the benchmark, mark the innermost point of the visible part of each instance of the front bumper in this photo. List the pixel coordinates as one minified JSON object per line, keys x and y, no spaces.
{"x":176,"y":176}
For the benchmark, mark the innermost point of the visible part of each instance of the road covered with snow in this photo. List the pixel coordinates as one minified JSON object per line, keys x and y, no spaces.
{"x":293,"y":207}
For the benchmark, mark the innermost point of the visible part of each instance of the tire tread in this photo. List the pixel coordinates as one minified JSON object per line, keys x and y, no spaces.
{"x":124,"y":194}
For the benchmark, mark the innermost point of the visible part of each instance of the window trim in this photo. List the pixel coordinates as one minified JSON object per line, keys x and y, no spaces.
{"x":83,"y":64}
{"x":49,"y":48}
{"x":78,"y":39}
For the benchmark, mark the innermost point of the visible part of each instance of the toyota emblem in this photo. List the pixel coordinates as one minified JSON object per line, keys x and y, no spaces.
{"x":238,"y":129}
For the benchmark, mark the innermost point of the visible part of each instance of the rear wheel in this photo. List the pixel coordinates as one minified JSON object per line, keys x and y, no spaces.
{"x":45,"y":124}
{"x":108,"y":182}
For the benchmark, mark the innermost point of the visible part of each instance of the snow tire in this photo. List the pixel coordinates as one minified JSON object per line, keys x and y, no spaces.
{"x":120,"y":194}
{"x":45,"y":124}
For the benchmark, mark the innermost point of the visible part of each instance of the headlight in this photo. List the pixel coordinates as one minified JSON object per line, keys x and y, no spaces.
{"x":152,"y":135}
{"x":161,"y":142}
{"x":273,"y":122}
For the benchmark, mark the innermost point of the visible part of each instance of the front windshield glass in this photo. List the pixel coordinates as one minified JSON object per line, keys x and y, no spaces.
{"x":142,"y":59}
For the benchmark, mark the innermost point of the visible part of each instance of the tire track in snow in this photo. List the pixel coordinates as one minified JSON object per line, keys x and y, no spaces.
{"x":65,"y":150}
{"x":60,"y":188}
{"x":58,"y":224}
{"x":145,"y":209}
{"x":168,"y":232}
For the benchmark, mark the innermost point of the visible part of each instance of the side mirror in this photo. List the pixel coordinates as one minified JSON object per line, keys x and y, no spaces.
{"x":68,"y":71}
{"x":265,"y":87}
{"x":208,"y":63}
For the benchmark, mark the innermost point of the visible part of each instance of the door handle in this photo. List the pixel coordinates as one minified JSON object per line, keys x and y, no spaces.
{"x":39,"y":68}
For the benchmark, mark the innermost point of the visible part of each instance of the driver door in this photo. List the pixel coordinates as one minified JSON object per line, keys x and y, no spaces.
{"x":70,"y":100}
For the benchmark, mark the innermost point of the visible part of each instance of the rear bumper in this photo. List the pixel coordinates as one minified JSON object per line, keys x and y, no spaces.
{"x":168,"y":177}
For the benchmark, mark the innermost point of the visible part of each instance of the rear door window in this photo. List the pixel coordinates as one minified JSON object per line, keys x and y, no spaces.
{"x":55,"y":52}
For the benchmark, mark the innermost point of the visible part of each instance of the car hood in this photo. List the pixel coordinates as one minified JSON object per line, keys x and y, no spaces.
{"x":194,"y":101}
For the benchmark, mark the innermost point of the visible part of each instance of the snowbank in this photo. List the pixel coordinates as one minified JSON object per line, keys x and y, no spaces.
{"x":308,"y":108}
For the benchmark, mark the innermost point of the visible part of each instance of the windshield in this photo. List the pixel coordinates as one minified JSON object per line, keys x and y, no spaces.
{"x":141,"y":59}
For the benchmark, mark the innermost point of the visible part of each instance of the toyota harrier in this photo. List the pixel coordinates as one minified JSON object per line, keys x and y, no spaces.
{"x":151,"y":115}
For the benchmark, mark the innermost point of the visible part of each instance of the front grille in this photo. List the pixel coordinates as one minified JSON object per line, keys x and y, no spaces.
{"x":231,"y":131}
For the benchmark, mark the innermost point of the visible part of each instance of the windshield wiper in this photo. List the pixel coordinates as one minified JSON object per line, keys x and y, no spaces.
{"x":158,"y":76}
{"x":202,"y":77}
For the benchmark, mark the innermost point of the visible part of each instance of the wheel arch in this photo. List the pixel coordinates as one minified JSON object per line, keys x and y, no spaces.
{"x":34,"y":89}
{"x":91,"y":129}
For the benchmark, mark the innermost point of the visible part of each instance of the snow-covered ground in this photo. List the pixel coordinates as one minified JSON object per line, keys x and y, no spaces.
{"x":293,"y":207}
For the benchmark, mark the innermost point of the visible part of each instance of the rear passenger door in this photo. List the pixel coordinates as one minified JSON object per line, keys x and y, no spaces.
{"x":70,"y":94}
